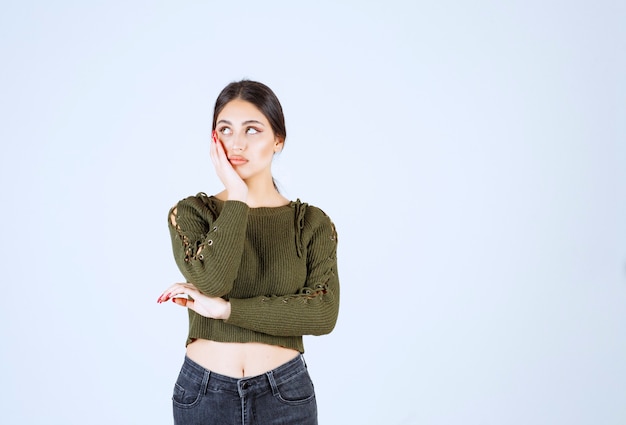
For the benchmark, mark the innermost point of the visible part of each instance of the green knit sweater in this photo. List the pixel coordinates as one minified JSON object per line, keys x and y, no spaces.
{"x":276,"y":266}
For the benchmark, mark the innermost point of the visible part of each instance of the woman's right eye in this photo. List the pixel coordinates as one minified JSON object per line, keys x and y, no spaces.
{"x":225,"y":130}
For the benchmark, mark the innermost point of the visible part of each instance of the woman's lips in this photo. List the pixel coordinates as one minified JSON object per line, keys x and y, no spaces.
{"x":237,"y":160}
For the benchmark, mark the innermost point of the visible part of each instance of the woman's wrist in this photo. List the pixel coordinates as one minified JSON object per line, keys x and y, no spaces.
{"x":226,"y":313}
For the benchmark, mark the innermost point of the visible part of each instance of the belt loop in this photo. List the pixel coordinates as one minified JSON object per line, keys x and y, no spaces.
{"x":270,"y":377}
{"x":303,"y":362}
{"x":205,"y":381}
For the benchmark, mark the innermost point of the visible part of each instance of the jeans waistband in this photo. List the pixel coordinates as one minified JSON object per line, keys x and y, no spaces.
{"x":254,"y":384}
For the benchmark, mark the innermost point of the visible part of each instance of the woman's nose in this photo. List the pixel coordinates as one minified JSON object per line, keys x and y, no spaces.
{"x":238,"y":142}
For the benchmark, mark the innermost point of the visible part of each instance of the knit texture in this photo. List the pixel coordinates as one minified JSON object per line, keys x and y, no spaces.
{"x":276,"y":266}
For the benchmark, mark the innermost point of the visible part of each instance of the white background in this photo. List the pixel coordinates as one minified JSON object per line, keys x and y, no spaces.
{"x":471,"y":154}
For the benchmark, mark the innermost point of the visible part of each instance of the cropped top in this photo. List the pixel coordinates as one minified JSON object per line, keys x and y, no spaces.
{"x":276,"y":265}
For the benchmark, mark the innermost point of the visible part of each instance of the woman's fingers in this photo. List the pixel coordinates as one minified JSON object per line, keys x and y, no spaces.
{"x":177,"y":289}
{"x":183,"y":302}
{"x":235,"y":186}
{"x":211,"y":307}
{"x":218,"y":154}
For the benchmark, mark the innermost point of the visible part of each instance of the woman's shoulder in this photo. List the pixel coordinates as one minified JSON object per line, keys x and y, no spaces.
{"x":313,"y":216}
{"x":312,"y":211}
{"x":199,"y":198}
{"x":200,"y":203}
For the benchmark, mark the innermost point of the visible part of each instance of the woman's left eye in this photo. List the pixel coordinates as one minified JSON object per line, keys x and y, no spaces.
{"x":251,"y":130}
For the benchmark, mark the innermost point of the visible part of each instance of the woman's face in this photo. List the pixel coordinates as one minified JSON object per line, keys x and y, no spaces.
{"x":248,"y":139}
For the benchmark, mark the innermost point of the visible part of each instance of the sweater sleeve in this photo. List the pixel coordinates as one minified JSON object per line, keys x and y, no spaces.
{"x":311,"y":311}
{"x":207,"y":246}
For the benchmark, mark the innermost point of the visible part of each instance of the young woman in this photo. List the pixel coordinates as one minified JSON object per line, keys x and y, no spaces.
{"x":261,"y":272}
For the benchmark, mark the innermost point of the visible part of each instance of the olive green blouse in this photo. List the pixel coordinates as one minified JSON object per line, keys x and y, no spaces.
{"x":277,"y":266}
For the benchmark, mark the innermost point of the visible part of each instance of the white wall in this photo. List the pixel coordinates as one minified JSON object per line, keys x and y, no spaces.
{"x":471,"y":154}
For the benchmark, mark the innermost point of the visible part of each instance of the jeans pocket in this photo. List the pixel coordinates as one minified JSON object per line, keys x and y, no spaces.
{"x":297,"y":390}
{"x":187,"y":391}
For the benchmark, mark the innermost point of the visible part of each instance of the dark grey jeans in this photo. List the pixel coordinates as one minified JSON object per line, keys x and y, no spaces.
{"x":282,"y":396}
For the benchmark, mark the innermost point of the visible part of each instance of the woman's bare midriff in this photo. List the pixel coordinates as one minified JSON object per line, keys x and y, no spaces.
{"x":238,"y":360}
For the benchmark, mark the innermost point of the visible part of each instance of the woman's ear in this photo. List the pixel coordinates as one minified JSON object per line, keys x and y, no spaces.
{"x":278,"y":146}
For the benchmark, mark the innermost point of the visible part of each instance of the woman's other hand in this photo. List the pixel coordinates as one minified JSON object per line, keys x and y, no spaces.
{"x":211,"y":307}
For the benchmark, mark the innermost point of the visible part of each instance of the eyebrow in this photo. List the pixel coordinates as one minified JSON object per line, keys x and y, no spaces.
{"x":243,"y":123}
